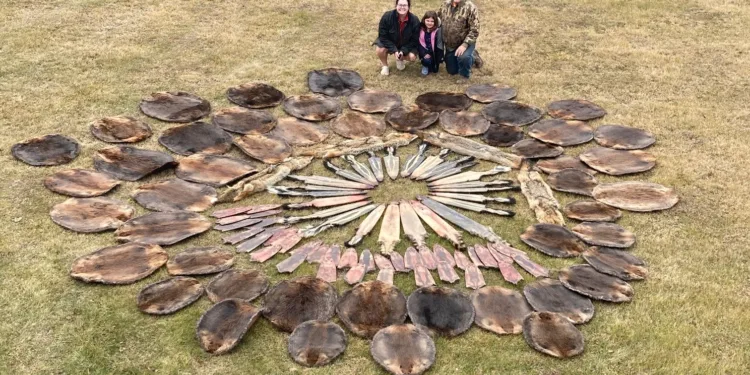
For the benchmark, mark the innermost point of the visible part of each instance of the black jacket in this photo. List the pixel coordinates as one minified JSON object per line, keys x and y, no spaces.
{"x":390,"y":37}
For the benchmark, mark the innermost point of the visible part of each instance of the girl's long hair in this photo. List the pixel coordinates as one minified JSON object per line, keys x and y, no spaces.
{"x":430,"y":14}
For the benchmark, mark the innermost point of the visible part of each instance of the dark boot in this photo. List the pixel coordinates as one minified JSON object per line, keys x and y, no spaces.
{"x":478,"y":61}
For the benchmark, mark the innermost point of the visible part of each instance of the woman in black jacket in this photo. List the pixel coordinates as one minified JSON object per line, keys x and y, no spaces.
{"x":398,"y":35}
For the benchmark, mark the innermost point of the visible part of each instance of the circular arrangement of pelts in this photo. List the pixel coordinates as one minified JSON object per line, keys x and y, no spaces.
{"x":245,"y":285}
{"x":52,"y":149}
{"x":374,"y":101}
{"x":546,"y":294}
{"x":500,"y":310}
{"x":91,"y":215}
{"x":371,"y":306}
{"x":316,"y":343}
{"x":177,"y":106}
{"x":80,"y":183}
{"x":298,"y":300}
{"x":121,"y":264}
{"x":552,"y":334}
{"x":334,"y":81}
{"x":244,"y":121}
{"x":224,"y":325}
{"x":445,"y":311}
{"x":586,"y":280}
{"x":490,"y":92}
{"x":255,"y":95}
{"x":169,"y":296}
{"x":120,"y":129}
{"x":403,"y":349}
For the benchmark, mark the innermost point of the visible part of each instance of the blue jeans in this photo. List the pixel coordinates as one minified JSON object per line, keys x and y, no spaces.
{"x":461,"y":65}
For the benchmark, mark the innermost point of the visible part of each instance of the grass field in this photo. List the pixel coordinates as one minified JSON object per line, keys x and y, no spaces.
{"x":676,"y":68}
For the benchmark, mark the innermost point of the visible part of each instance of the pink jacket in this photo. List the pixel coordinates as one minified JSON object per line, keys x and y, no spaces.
{"x":421,"y":38}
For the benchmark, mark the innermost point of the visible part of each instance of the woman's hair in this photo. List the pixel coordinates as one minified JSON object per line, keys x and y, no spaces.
{"x":430,"y":14}
{"x":407,"y":1}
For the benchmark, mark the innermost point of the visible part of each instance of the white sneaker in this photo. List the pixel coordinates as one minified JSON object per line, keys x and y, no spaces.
{"x":384,"y":71}
{"x":400,"y":64}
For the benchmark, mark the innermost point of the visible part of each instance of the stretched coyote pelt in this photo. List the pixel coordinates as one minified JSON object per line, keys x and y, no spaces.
{"x":357,"y":146}
{"x":541,"y":200}
{"x":465,"y":146}
{"x":264,"y":179}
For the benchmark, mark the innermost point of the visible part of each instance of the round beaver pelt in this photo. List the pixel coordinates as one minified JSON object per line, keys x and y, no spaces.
{"x":175,"y":106}
{"x":561,"y":132}
{"x":168,"y":296}
{"x":91,"y":215}
{"x":503,"y":135}
{"x":403,"y":349}
{"x":244,"y":121}
{"x":553,"y":240}
{"x":586,"y":280}
{"x":616,"y":262}
{"x":52,"y":149}
{"x":552,"y":334}
{"x":120,"y":129}
{"x":622,"y":137}
{"x":316,"y":343}
{"x":354,"y":125}
{"x":129,"y":163}
{"x":297,"y":132}
{"x":334,"y":81}
{"x":265,"y":148}
{"x":439,"y":101}
{"x":163,"y":228}
{"x":80,"y":183}
{"x":463,"y":123}
{"x":638,"y":196}
{"x":551,"y":295}
{"x":312,"y":107}
{"x":591,"y":211}
{"x":573,"y":109}
{"x":500,"y":310}
{"x":490,"y":92}
{"x":213,"y":170}
{"x":198,"y":137}
{"x":561,"y":162}
{"x":445,"y":311}
{"x":292,"y":302}
{"x":511,"y":113}
{"x":371,"y":306}
{"x":224,"y":325}
{"x":200,"y":261}
{"x":175,"y":195}
{"x":374,"y":101}
{"x":618,"y":162}
{"x":246,"y":285}
{"x":410,"y":118}
{"x":573,"y":181}
{"x":534,"y":149}
{"x":255,"y":95}
{"x":122,"y":264}
{"x":604,"y":234}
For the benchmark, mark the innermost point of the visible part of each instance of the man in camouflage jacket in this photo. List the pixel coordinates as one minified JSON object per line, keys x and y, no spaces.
{"x":460,"y":22}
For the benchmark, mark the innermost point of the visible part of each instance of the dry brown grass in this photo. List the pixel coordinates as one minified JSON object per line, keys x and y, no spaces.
{"x":677,"y":68}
